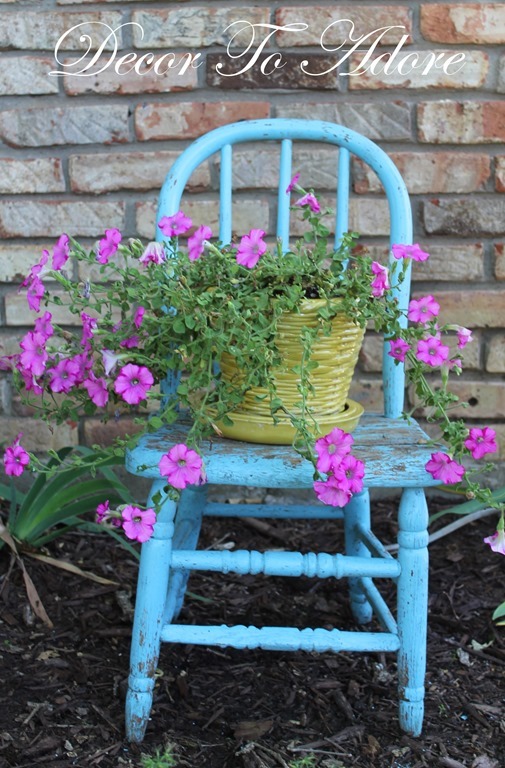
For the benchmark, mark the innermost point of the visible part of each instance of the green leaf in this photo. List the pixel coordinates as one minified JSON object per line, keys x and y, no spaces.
{"x":499,"y":612}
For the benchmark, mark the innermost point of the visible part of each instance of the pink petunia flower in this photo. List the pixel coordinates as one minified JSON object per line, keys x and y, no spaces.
{"x":89,"y":325}
{"x":398,"y":348}
{"x":481,"y":441}
{"x":61,"y":252}
{"x":43,"y":325}
{"x":102,"y":511}
{"x":175,"y":225}
{"x":16,"y":459}
{"x":35,"y":294}
{"x":133,"y":383}
{"x":380,"y":283}
{"x":196,"y":243}
{"x":34,"y":356}
{"x":464,"y":337}
{"x":138,"y":316}
{"x":310,"y":200}
{"x":432,"y":352}
{"x":38,"y":270}
{"x":409,"y":252}
{"x":349,"y":474}
{"x":130,"y":343}
{"x":329,"y":492}
{"x":154,"y":254}
{"x":63,"y":377}
{"x":292,"y":184}
{"x":97,"y":390}
{"x":331,"y":448}
{"x":423,"y":310}
{"x":497,"y":540}
{"x":31,"y":382}
{"x":84,"y":365}
{"x":108,"y":245}
{"x":182,"y":466}
{"x":138,"y":524}
{"x":445,"y":469}
{"x":251,"y":247}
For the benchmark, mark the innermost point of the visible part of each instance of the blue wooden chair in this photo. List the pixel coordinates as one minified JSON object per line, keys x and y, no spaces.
{"x":394,"y":452}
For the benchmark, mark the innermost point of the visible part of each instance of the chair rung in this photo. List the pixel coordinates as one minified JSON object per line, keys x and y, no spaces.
{"x":370,"y":540}
{"x":321,"y":565}
{"x":379,"y":605}
{"x":280,"y":638}
{"x":287,"y":511}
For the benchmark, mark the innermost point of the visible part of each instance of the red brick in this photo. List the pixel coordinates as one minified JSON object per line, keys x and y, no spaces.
{"x":49,"y":218}
{"x":39,"y":30}
{"x":42,"y":174}
{"x":161,"y":121}
{"x":96,"y":174}
{"x":495,"y":357}
{"x":387,"y":121}
{"x":465,"y":217}
{"x":37,"y":436}
{"x":430,"y":172}
{"x":461,"y":122}
{"x":473,"y":309}
{"x":500,"y":173}
{"x":499,"y":261}
{"x":226,"y":73}
{"x":26,"y":76}
{"x":472,"y":75}
{"x":145,"y":80}
{"x":365,"y":20}
{"x":479,"y":23}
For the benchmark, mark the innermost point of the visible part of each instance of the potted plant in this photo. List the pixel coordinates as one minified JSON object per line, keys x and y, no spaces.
{"x":158,"y":319}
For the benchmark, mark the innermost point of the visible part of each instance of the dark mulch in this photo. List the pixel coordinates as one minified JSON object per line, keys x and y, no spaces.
{"x":63,"y":689}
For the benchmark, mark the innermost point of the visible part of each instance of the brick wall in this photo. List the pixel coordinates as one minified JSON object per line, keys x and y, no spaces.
{"x":79,"y":154}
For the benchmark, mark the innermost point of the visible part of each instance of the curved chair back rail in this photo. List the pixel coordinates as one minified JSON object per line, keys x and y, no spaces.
{"x":286,"y":131}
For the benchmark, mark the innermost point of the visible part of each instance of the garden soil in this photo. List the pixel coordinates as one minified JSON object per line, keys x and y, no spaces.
{"x":63,"y":688}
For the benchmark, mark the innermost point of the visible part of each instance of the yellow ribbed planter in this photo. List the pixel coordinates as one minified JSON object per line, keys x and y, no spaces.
{"x":336,"y":355}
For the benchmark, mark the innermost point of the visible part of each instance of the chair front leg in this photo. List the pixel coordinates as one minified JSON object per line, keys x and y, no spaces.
{"x":357,"y":513}
{"x":149,"y":617}
{"x":412,"y":615}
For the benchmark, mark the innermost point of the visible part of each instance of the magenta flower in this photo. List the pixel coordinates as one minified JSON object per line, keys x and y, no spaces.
{"x":380,"y":283}
{"x":196,"y":243}
{"x":329,"y":492}
{"x":497,"y":540}
{"x":35,"y":294}
{"x":250,"y":249}
{"x":481,"y":441}
{"x":138,"y":524}
{"x":102,"y":511}
{"x":130,"y":343}
{"x":349,"y":474}
{"x":16,"y":459}
{"x":409,"y":252}
{"x":31,"y":382}
{"x":398,"y":348}
{"x":138,"y":316}
{"x":331,"y":448}
{"x":43,"y":325}
{"x":175,"y":225}
{"x":292,"y":184}
{"x":423,"y":310}
{"x":89,"y":325}
{"x":64,"y":375}
{"x":182,"y":466}
{"x":38,"y":270}
{"x":97,"y":390}
{"x":34,"y":357}
{"x":464,"y":337}
{"x":154,"y":253}
{"x":310,"y":200}
{"x":133,"y":383}
{"x":84,"y":364}
{"x":445,"y":469}
{"x":61,"y":252}
{"x":108,"y":245}
{"x":432,"y":352}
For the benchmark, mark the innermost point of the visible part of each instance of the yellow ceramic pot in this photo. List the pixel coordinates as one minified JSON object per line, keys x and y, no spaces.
{"x":336,"y":355}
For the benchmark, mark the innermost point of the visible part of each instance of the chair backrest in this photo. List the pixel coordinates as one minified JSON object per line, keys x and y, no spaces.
{"x":285,"y":131}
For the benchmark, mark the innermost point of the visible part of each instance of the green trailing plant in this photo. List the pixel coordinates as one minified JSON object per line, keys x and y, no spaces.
{"x":157,"y":318}
{"x":160,"y":759}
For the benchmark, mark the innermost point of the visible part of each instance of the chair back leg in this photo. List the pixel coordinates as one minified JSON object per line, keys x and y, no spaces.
{"x":356,"y":517}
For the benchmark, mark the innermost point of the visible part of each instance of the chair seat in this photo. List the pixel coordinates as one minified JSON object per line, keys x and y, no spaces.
{"x":395,"y":453}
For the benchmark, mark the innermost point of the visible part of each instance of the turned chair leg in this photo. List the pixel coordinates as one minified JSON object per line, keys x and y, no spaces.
{"x":412,"y":615}
{"x":188,"y":522}
{"x":149,"y":617}
{"x":357,"y":513}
